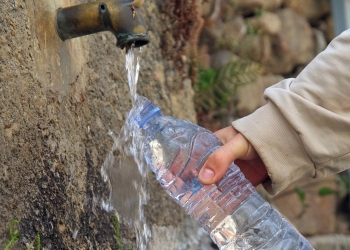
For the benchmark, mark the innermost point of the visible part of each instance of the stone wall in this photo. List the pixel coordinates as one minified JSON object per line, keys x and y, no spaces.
{"x":280,"y":35}
{"x":58,"y":100}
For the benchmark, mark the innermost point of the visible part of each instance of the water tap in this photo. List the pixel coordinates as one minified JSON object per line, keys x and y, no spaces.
{"x":121,"y":17}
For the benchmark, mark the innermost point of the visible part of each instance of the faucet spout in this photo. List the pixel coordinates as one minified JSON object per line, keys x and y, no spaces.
{"x":120,"y":17}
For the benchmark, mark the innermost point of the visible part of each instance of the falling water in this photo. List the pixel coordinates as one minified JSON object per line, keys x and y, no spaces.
{"x":133,"y":69}
{"x":124,"y":168}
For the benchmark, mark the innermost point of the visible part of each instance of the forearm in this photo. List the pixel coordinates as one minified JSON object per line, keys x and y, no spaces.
{"x":304,"y":129}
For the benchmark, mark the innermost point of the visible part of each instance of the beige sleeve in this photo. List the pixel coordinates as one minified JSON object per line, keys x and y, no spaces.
{"x":304,"y":129}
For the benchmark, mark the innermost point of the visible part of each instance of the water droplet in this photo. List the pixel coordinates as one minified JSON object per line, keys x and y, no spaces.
{"x":75,"y":234}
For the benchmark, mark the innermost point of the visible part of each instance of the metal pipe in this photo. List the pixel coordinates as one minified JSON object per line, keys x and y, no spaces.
{"x":117,"y":16}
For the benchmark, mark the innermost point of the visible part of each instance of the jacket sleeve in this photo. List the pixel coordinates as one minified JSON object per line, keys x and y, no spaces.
{"x":303,"y":131}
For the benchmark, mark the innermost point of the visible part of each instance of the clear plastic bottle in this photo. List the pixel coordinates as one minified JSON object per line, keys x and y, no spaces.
{"x":231,"y":211}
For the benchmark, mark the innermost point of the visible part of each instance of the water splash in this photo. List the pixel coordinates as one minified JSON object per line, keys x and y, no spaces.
{"x":125,"y":169}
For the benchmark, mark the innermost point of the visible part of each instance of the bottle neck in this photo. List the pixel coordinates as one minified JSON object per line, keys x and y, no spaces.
{"x":147,"y":113}
{"x":150,"y":116}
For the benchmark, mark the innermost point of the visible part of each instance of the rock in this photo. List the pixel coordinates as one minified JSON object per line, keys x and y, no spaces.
{"x":333,"y":241}
{"x":319,"y":215}
{"x":203,"y":56}
{"x":191,"y":236}
{"x":311,"y":9}
{"x":294,"y":45}
{"x":208,"y":37}
{"x":251,"y":95}
{"x":272,"y":5}
{"x":267,"y":23}
{"x":232,"y":32}
{"x":228,"y":11}
{"x":255,"y":47}
{"x":329,"y":29}
{"x":212,"y":11}
{"x":343,"y":223}
{"x":247,"y":6}
{"x":320,"y":41}
{"x":220,"y":58}
{"x":207,"y":8}
{"x":223,"y":35}
{"x":163,"y":236}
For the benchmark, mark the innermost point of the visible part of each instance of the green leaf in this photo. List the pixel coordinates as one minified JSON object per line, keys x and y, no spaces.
{"x":343,"y":181}
{"x":326,"y":191}
{"x":14,"y":235}
{"x":301,"y":194}
{"x":38,"y":241}
{"x":216,"y":88}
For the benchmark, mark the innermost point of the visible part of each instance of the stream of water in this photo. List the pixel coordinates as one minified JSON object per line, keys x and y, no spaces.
{"x":124,"y":168}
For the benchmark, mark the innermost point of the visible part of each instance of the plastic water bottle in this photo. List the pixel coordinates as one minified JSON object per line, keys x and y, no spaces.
{"x":231,"y":211}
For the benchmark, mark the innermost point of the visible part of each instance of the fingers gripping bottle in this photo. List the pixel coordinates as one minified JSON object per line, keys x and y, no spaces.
{"x":231,"y":211}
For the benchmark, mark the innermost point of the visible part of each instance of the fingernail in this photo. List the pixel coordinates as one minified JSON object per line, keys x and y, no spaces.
{"x":206,"y":174}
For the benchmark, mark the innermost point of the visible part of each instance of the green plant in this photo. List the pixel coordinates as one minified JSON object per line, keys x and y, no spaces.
{"x":14,"y":235}
{"x":259,"y":12}
{"x":342,"y":187}
{"x":38,"y":241}
{"x":302,"y":198}
{"x":116,"y":230}
{"x":251,"y":30}
{"x":227,"y":42}
{"x":216,"y":89}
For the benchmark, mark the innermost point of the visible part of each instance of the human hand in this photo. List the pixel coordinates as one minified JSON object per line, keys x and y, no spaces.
{"x":236,"y":149}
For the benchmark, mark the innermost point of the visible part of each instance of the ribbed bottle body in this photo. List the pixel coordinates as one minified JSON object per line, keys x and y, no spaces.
{"x":231,"y":211}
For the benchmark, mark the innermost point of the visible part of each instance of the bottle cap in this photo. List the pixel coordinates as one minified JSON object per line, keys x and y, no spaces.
{"x":147,"y":112}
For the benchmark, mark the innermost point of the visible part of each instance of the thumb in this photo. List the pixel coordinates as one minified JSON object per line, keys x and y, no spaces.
{"x":218,"y":162}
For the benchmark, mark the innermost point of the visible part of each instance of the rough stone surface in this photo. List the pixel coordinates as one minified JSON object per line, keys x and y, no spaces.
{"x":220,"y":58}
{"x":223,"y":35}
{"x":232,"y":32}
{"x":57,"y":102}
{"x":293,"y":46}
{"x":272,"y":5}
{"x":318,"y":214}
{"x":247,"y":6}
{"x":333,"y":241}
{"x":164,"y":237}
{"x":207,"y":8}
{"x":267,"y":23}
{"x":320,"y":41}
{"x":215,"y":11}
{"x":311,"y":9}
{"x":250,"y":96}
{"x":256,"y":48}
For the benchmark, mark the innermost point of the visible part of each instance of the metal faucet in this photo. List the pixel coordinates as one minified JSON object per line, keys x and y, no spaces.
{"x":121,"y":17}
